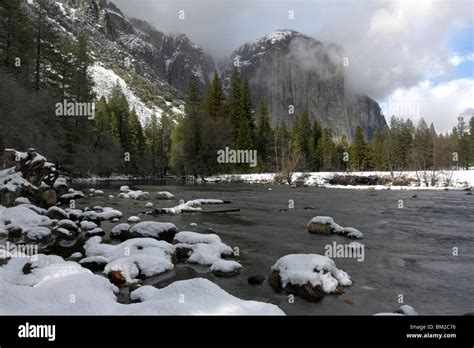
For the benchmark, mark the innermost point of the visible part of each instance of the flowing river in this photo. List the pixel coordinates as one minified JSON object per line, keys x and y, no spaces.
{"x":419,"y":248}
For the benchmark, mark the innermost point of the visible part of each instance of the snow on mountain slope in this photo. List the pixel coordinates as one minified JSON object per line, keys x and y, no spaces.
{"x":104,"y":82}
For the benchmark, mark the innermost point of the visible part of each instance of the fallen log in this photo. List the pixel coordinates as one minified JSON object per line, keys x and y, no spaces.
{"x":164,"y":211}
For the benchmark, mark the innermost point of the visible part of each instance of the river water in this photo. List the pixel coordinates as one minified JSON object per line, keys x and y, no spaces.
{"x":408,"y":250}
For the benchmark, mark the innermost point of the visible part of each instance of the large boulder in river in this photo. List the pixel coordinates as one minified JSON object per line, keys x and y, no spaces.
{"x":325,"y":225}
{"x":309,"y":276}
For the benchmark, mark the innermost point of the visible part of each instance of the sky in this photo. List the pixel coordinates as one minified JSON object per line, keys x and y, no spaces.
{"x":416,"y":58}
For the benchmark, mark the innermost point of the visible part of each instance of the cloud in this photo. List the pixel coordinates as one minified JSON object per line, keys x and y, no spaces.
{"x":389,"y":44}
{"x":439,"y":104}
{"x":456,"y":59}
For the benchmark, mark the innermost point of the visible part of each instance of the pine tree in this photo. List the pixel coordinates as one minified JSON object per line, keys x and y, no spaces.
{"x":316,"y":160}
{"x":423,"y":146}
{"x":341,"y":150}
{"x":281,"y":144}
{"x":379,"y":150}
{"x":302,"y":139}
{"x":119,"y":108}
{"x":359,"y":151}
{"x":16,"y":39}
{"x":65,"y":66}
{"x":215,"y":100}
{"x":326,"y":145}
{"x":234,"y":101}
{"x":152,"y":136}
{"x":187,"y":154}
{"x":82,"y":83}
{"x":263,"y":135}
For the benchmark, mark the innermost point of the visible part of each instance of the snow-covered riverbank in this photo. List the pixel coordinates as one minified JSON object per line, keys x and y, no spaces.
{"x":453,"y":180}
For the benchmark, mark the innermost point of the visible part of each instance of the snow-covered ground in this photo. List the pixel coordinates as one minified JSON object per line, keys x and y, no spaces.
{"x":460,"y":179}
{"x":57,"y":287}
{"x":105,"y":80}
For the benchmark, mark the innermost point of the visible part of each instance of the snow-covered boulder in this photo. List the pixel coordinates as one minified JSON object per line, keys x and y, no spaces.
{"x":120,"y":231}
{"x":140,"y":257}
{"x":308,"y":275}
{"x":198,"y":297}
{"x":153,"y":229}
{"x":21,"y":200}
{"x":95,"y":232}
{"x":133,"y":219}
{"x":125,"y":192}
{"x":163,"y":195}
{"x":19,"y":219}
{"x":43,"y":285}
{"x":110,"y":214}
{"x":206,"y":250}
{"x":325,"y":225}
{"x":226,"y":268}
{"x":57,"y":213}
{"x":87,"y":225}
{"x":68,"y":225}
{"x":72,"y":194}
{"x":36,"y":234}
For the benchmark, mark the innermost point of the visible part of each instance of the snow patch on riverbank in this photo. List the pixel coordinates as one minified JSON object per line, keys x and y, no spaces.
{"x":459,"y":179}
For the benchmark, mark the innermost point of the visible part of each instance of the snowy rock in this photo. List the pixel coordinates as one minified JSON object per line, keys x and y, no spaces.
{"x":72,"y":194}
{"x":163,"y":195}
{"x":62,"y":233}
{"x":21,"y":200}
{"x":110,"y":214}
{"x":133,"y":258}
{"x":203,"y":249}
{"x":308,"y":275}
{"x":226,"y":268}
{"x":74,"y":214}
{"x":68,"y":225}
{"x":90,"y":215}
{"x":124,"y":189}
{"x":125,"y":192}
{"x":87,"y":225}
{"x":76,"y":255}
{"x":34,"y":234}
{"x":149,"y":205}
{"x":325,"y":225}
{"x":120,"y":230}
{"x":21,"y":218}
{"x":158,"y":230}
{"x":133,"y":219}
{"x":351,"y":232}
{"x":57,"y":213}
{"x":95,"y":232}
